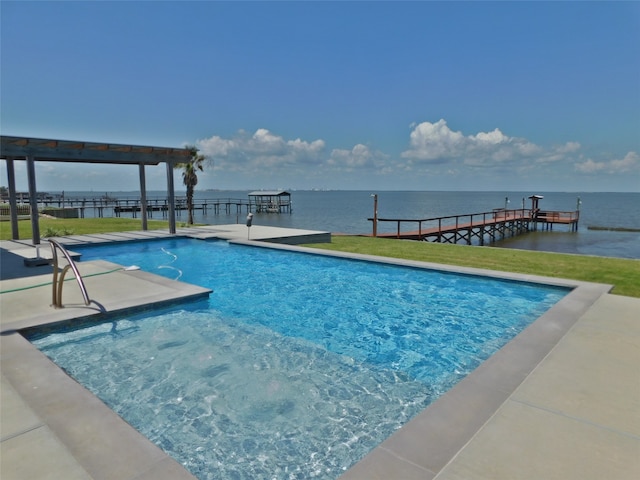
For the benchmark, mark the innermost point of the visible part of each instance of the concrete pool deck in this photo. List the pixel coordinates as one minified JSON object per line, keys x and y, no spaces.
{"x":562,"y":400}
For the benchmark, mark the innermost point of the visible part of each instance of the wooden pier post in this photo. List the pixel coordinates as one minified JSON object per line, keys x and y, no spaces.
{"x":375,"y":214}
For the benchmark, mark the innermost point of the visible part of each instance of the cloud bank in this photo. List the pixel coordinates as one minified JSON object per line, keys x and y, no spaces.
{"x":262,"y":149}
{"x":630,"y":163}
{"x":432,"y":149}
{"x":431,"y":156}
{"x":245,"y":152}
{"x":436,"y":143}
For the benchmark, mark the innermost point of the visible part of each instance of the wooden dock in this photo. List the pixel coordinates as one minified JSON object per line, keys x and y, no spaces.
{"x":132,"y":206}
{"x":216,"y":206}
{"x":482,"y":228}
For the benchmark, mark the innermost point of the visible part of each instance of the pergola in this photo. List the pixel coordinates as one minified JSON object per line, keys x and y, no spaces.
{"x":34,"y":150}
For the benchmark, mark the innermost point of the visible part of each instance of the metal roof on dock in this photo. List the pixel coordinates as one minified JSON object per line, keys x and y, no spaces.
{"x":268,"y":193}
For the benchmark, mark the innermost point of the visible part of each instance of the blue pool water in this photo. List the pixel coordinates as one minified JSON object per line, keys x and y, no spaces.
{"x":297,"y":365}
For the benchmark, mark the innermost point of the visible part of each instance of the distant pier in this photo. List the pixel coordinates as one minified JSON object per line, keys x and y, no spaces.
{"x":106,"y":205}
{"x":484,"y":227}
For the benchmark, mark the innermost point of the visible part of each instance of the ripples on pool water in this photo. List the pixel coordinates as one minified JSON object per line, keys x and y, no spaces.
{"x":297,"y":365}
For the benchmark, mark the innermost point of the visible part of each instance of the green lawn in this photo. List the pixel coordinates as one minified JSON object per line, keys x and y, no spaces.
{"x":622,"y":273}
{"x":53,"y":227}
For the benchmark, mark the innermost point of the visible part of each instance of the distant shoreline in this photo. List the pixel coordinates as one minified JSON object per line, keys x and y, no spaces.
{"x":613,"y":229}
{"x":108,"y":192}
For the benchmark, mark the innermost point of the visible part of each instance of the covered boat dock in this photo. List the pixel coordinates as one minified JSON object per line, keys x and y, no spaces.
{"x":271,"y":201}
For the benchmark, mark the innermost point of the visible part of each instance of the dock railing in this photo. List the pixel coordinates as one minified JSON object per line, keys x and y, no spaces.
{"x":558,"y":217}
{"x":132,"y":205}
{"x":105,"y":205}
{"x":439,"y":225}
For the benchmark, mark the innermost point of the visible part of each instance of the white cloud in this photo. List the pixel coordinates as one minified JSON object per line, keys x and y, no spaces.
{"x":487,"y":149}
{"x":629,"y":163}
{"x":590,"y":166}
{"x":306,"y":151}
{"x":558,"y":153}
{"x":437,"y":143}
{"x":359,"y":157}
{"x":216,"y":146}
{"x":434,"y":142}
{"x":245,"y":152}
{"x":569,"y":147}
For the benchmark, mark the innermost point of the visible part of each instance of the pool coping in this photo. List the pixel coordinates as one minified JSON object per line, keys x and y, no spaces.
{"x":420,"y":449}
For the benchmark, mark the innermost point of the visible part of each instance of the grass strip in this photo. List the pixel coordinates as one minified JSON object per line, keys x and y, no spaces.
{"x":624,"y":274}
{"x":80,"y":226}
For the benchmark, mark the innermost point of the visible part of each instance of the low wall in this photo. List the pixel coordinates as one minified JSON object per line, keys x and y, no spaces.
{"x":22,"y":210}
{"x":61,"y":212}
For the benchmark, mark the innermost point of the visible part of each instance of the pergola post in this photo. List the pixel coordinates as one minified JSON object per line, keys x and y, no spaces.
{"x":13,"y":200}
{"x":143,"y":196}
{"x":33,"y":199}
{"x":171,"y":199}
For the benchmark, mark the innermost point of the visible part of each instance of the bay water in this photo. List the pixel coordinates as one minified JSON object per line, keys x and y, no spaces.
{"x":340,"y":211}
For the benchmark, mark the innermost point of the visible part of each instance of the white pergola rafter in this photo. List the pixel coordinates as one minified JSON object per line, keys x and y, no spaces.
{"x":48,"y":150}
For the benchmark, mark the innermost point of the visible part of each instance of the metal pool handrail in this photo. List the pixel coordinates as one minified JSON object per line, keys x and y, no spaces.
{"x":58,"y":282}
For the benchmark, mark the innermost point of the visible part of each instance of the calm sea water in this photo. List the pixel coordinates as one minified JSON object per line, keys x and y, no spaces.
{"x":348,"y":211}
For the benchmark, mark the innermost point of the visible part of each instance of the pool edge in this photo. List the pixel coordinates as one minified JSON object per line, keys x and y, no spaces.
{"x":424,"y":446}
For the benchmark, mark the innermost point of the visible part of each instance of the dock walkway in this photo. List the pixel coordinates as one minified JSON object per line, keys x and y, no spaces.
{"x":484,"y":227}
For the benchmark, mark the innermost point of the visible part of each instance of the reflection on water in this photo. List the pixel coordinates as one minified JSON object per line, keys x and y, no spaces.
{"x":585,"y":242}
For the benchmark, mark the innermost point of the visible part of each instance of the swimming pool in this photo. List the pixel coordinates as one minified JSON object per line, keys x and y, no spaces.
{"x":298,"y":364}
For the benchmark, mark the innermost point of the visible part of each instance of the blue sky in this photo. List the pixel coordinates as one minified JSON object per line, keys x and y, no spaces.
{"x":540,"y":96}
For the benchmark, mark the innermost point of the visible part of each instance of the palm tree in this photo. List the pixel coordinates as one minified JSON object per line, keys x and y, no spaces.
{"x":190,"y":177}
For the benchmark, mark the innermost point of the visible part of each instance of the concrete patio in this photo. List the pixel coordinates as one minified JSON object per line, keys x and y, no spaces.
{"x":561,"y":401}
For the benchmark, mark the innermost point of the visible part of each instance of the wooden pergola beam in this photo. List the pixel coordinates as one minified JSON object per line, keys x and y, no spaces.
{"x":33,"y":150}
{"x":89,"y":152}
